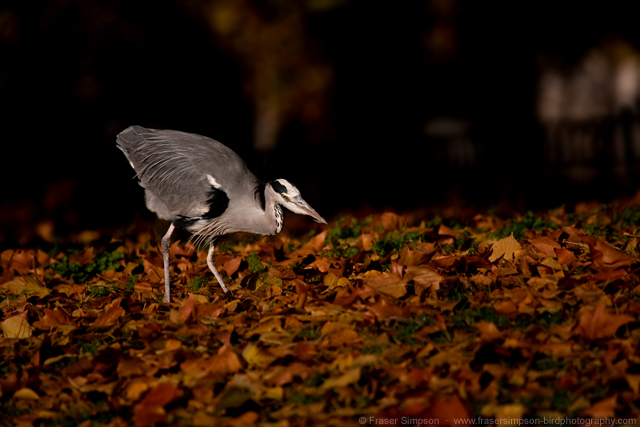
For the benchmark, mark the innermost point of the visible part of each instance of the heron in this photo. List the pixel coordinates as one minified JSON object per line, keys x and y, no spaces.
{"x":203,"y":186}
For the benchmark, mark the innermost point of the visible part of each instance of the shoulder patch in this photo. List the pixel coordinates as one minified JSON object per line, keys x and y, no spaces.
{"x":218,"y":202}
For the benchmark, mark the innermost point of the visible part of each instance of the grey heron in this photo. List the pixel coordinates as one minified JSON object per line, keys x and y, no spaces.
{"x":201,"y":185}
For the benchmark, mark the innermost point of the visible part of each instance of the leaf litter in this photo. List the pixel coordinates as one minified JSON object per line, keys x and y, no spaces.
{"x":388,"y":316}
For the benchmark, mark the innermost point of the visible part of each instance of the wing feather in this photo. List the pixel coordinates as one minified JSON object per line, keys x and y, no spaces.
{"x":174,"y":166}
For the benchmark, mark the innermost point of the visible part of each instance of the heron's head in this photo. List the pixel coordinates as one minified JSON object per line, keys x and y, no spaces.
{"x":288,"y":195}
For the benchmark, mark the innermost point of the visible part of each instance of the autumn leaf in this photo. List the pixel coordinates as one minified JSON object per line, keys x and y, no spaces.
{"x":596,"y":323}
{"x":25,"y":285}
{"x":52,"y":319}
{"x":605,"y":408}
{"x":606,"y":255}
{"x":546,"y":245}
{"x":151,"y":409}
{"x":16,"y":327}
{"x":331,"y":330}
{"x":505,"y":248}
{"x":111,"y":314}
{"x":389,"y":284}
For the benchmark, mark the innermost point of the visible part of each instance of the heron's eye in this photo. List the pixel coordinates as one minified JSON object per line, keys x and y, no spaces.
{"x":284,"y":196}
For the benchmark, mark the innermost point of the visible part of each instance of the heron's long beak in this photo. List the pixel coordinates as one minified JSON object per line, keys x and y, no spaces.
{"x":308,"y":210}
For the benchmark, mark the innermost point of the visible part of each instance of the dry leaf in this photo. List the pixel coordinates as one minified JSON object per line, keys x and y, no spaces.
{"x":25,"y":285}
{"x":505,"y":248}
{"x":597,"y":323}
{"x":16,"y":327}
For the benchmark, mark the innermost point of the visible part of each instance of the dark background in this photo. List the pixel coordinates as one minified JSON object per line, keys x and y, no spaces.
{"x":363,"y":104}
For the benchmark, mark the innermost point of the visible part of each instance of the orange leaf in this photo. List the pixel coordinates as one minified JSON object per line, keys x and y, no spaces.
{"x":606,"y":408}
{"x":391,"y":221}
{"x":448,"y":410}
{"x":488,"y":331}
{"x":389,"y":284}
{"x":505,"y":306}
{"x":111,"y":314}
{"x":53,"y":318}
{"x":546,"y":245}
{"x":386,"y":310}
{"x":606,"y":255}
{"x":225,"y":362}
{"x":425,"y":277}
{"x":150,"y":410}
{"x":565,"y":256}
{"x":187,"y":309}
{"x":595,"y":324}
{"x":232,"y":265}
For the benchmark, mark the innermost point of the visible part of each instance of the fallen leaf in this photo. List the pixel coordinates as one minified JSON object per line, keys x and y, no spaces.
{"x":597,"y":323}
{"x":151,"y":410}
{"x":111,"y":314}
{"x":505,"y":248}
{"x":52,"y":319}
{"x":546,"y":245}
{"x":425,"y":277}
{"x":488,"y":331}
{"x":26,"y":285}
{"x":257,"y":357}
{"x":448,"y":411}
{"x":565,"y":256}
{"x":606,"y":255}
{"x":389,"y":284}
{"x":605,"y":408}
{"x":349,"y":377}
{"x":26,"y":393}
{"x":187,"y":309}
{"x":16,"y":327}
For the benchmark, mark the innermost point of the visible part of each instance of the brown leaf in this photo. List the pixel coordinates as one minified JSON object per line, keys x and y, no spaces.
{"x":546,"y":245}
{"x":505,"y":248}
{"x":52,"y":319}
{"x":281,"y":375}
{"x":408,"y":256}
{"x":258,"y":357}
{"x":446,"y":410}
{"x":85,"y":257}
{"x":154,"y":269}
{"x":391,"y":221}
{"x":111,"y":314}
{"x":565,"y":256}
{"x":605,"y":408}
{"x":22,"y":261}
{"x":389,"y":284}
{"x":606,"y":255}
{"x":26,"y":285}
{"x":383,"y":309}
{"x":425,"y":277}
{"x":225,"y":362}
{"x":151,"y":410}
{"x":232,"y":265}
{"x":488,"y":331}
{"x":505,"y":306}
{"x":16,"y":327}
{"x":597,"y":323}
{"x":187,"y":309}
{"x":349,"y":377}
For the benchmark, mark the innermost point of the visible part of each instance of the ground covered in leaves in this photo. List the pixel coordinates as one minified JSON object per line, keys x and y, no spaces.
{"x":399,"y":319}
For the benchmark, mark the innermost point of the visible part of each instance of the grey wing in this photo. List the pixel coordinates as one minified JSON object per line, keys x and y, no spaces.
{"x":190,"y":175}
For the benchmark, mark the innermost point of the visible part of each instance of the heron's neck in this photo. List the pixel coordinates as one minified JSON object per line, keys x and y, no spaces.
{"x":273,"y":213}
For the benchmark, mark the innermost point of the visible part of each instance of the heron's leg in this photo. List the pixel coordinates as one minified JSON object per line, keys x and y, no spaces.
{"x":211,"y":262}
{"x":166,"y":244}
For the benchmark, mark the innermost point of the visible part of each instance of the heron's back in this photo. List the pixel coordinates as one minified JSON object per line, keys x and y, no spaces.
{"x":185,"y":175}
